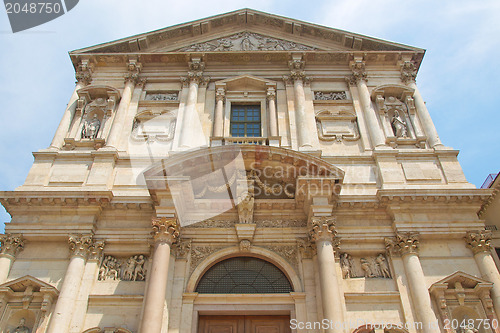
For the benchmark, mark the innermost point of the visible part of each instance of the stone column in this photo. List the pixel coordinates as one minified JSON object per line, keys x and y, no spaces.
{"x":11,"y":245}
{"x":83,"y":77}
{"x":191,"y":128}
{"x":323,"y":233}
{"x":165,"y":233}
{"x":220,"y":96}
{"x":406,"y":245}
{"x":358,"y":78}
{"x":408,"y":75}
{"x":273,"y":119}
{"x":89,"y":277}
{"x":479,"y":243}
{"x":298,"y":76}
{"x":80,"y":246}
{"x":131,"y":80}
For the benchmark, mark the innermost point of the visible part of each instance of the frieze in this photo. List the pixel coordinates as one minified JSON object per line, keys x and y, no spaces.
{"x":281,"y":223}
{"x":330,"y":95}
{"x":211,"y":224}
{"x":247,"y":41}
{"x":174,"y":96}
{"x":123,"y":269}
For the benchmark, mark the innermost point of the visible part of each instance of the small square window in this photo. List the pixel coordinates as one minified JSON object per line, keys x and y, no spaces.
{"x":245,"y":120}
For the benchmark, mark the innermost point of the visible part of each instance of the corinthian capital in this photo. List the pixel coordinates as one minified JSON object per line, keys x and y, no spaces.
{"x":322,"y":228}
{"x":11,"y":244}
{"x":80,"y":245}
{"x":403,"y":243}
{"x":220,"y":94}
{"x":358,"y":72}
{"x":83,"y":72}
{"x":297,"y":72}
{"x":271,"y":93}
{"x":165,"y":230}
{"x":478,"y":241}
{"x":408,"y":71}
{"x":134,"y":69}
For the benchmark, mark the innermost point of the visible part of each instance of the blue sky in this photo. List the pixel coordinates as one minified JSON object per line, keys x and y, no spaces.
{"x":459,"y":77}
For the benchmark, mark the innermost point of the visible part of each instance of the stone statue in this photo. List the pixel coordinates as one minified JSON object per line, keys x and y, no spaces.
{"x":91,"y":128}
{"x":399,"y":126}
{"x":347,"y":265}
{"x":365,"y":266}
{"x":382,"y":266}
{"x":245,"y":208}
{"x":246,"y":44}
{"x":139,"y":271}
{"x":22,"y":328}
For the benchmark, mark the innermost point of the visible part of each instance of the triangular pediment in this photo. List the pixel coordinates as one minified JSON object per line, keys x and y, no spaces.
{"x":246,"y":30}
{"x":466,"y":280}
{"x":20,"y":285}
{"x":245,"y":83}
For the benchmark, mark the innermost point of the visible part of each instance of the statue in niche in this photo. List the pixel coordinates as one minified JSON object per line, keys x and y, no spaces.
{"x":22,"y":328}
{"x":91,"y":128}
{"x":399,"y":125}
{"x":365,"y":266}
{"x":382,"y":266}
{"x":347,"y":266}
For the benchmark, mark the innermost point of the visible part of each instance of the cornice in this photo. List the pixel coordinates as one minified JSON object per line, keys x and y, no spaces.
{"x":433,"y":196}
{"x":10,"y":199}
{"x":494,"y":193}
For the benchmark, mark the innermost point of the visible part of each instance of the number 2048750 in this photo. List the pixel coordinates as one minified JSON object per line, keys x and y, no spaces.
{"x":33,"y":8}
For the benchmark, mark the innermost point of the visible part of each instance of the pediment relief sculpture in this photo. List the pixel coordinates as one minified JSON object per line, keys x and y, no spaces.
{"x":247,"y":41}
{"x":338,"y":127}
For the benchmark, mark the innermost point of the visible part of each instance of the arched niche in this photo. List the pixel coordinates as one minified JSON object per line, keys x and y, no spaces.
{"x":397,"y":113}
{"x":254,"y":251}
{"x":94,"y":111}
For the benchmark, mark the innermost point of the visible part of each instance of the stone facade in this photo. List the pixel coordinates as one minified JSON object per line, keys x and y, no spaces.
{"x":347,"y":189}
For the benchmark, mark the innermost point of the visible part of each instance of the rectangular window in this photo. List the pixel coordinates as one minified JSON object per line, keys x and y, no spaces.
{"x":245,"y":120}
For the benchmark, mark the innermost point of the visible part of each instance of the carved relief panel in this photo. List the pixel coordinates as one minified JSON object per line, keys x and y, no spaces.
{"x":123,"y":269}
{"x":368,"y":266}
{"x":93,"y":113}
{"x":398,"y":117}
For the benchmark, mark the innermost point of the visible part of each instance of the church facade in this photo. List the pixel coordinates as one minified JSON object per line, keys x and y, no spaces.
{"x":247,"y":173}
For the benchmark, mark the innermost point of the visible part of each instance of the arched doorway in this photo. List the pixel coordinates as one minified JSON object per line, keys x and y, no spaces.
{"x":243,"y":275}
